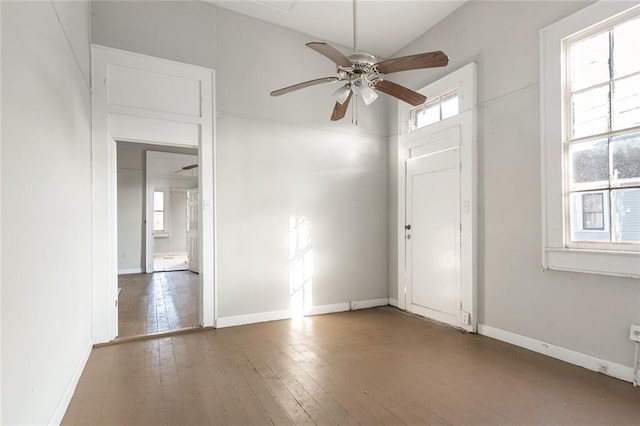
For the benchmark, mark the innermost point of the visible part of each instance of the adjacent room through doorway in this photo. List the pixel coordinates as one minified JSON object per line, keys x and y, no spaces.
{"x":158,"y":281}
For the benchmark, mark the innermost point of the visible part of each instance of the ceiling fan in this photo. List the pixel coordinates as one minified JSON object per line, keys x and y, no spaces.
{"x":364,"y":75}
{"x":185,"y":168}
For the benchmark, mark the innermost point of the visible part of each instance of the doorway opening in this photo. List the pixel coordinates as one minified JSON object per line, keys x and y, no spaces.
{"x":157,"y":223}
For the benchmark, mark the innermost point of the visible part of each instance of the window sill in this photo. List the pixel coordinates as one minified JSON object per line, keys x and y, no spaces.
{"x":160,"y":235}
{"x":613,"y":263}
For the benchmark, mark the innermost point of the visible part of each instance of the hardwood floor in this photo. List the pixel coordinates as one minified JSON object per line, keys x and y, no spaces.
{"x":158,"y":302}
{"x":376,"y":366}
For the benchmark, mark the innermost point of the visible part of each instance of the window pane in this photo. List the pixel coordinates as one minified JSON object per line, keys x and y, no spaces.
{"x":626,"y":59}
{"x":626,"y":103}
{"x":625,"y":151}
{"x":589,"y":213}
{"x":430,"y":114}
{"x":589,"y":165}
{"x":625,"y":208}
{"x":449,"y":105}
{"x":590,"y":112}
{"x":158,"y":200}
{"x":158,"y":221}
{"x":590,"y":62}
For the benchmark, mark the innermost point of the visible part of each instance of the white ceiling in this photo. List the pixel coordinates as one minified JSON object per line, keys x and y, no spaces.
{"x":384,"y":26}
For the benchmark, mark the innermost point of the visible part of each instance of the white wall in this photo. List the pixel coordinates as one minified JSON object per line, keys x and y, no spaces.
{"x":590,"y":314}
{"x":46,"y":238}
{"x":130,"y":220}
{"x":276,"y":157}
{"x":131,"y":192}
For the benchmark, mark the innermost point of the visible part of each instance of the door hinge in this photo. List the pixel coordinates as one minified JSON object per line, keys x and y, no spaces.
{"x":116,"y":303}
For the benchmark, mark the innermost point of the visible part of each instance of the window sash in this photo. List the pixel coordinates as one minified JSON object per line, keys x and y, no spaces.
{"x":604,"y":188}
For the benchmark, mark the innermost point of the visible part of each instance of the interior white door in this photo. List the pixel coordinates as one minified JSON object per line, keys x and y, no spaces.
{"x":193,"y":209}
{"x":433,"y":235}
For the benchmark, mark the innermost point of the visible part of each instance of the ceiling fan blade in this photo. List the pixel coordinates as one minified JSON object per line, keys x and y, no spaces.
{"x":189,"y":167}
{"x":413,"y":62}
{"x":397,"y":91}
{"x":330,"y":52}
{"x":341,"y":109}
{"x":303,"y":85}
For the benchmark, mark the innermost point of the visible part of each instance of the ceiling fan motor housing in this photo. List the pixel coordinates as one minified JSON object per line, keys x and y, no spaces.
{"x":362,"y":70}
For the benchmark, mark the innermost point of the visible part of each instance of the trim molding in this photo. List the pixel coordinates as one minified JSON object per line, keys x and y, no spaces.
{"x":61,"y":409}
{"x":393,"y":302}
{"x":370,"y":303}
{"x":589,"y":362}
{"x":130,"y":271}
{"x":252,"y":318}
{"x":329,"y":309}
{"x":286,"y":314}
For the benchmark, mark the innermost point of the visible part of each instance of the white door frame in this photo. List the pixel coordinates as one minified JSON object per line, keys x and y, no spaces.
{"x":125,"y":117}
{"x":409,"y":143}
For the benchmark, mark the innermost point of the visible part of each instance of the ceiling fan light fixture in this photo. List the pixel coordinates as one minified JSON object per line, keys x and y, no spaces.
{"x":342,"y":94}
{"x":367,"y":94}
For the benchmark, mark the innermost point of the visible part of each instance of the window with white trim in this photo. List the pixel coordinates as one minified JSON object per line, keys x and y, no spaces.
{"x":160,"y":222}
{"x":590,"y":140}
{"x":433,"y":110}
{"x":602,"y":135}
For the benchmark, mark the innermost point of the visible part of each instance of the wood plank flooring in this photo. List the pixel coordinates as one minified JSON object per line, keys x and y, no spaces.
{"x":376,"y":366}
{"x":158,"y":302}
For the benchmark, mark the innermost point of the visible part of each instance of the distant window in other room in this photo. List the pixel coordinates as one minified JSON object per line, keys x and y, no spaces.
{"x":158,"y":211}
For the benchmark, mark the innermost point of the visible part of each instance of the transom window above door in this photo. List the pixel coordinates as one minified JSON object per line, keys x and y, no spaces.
{"x":433,"y":110}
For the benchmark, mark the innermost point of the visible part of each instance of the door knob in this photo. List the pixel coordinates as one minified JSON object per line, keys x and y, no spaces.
{"x":407,"y":227}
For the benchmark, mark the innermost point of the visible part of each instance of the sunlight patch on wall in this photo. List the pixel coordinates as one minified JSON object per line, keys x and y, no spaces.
{"x":300,"y":266}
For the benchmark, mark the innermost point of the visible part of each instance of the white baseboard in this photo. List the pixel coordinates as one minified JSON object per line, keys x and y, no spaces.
{"x":130,"y":271}
{"x":393,"y":301}
{"x":252,"y":318}
{"x":329,"y":309}
{"x":589,"y":362}
{"x":61,"y":409}
{"x":171,"y":253}
{"x":371,"y":303}
{"x":286,"y":314}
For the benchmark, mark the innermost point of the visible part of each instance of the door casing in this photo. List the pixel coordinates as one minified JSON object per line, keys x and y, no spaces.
{"x":139,"y":98}
{"x":413,"y":144}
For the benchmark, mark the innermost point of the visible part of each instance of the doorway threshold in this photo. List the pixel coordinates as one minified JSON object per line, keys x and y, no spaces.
{"x":159,"y":335}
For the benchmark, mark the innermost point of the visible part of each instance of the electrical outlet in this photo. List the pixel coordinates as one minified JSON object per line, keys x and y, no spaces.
{"x":466,"y":318}
{"x":634,"y":334}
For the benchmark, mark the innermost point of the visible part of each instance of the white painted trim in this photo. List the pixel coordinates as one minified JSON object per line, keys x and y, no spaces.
{"x":589,"y":362}
{"x":111,"y":122}
{"x":464,"y":80}
{"x":329,"y":309}
{"x":171,"y":253}
{"x":253,"y":318}
{"x":393,"y":302}
{"x":1,"y":364}
{"x":286,"y":314}
{"x":370,"y":303}
{"x":61,"y":409}
{"x":130,"y":271}
{"x":554,"y":254}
